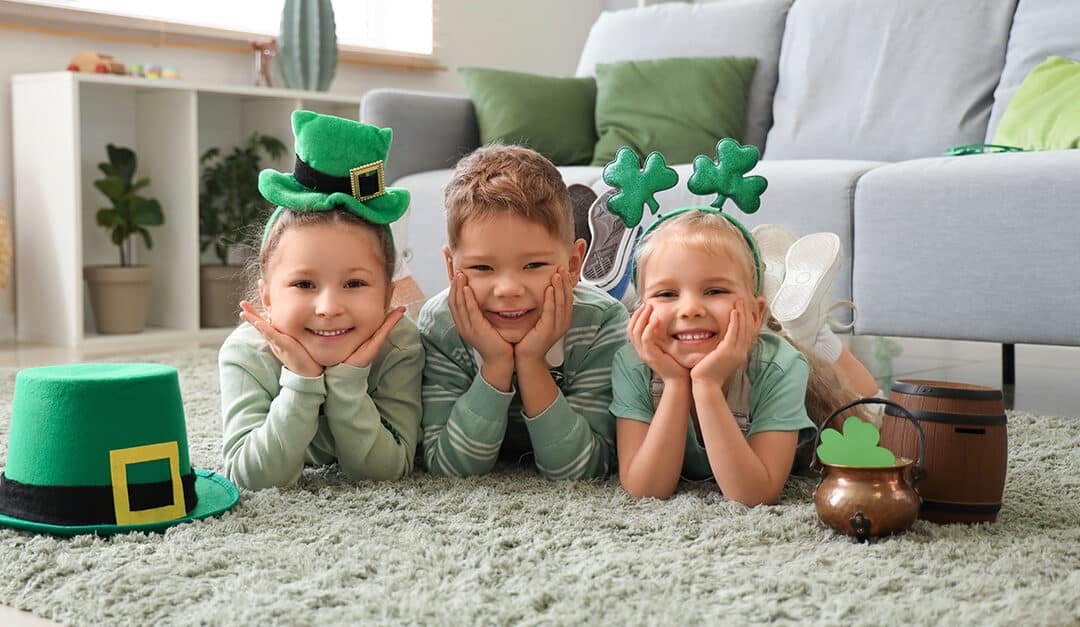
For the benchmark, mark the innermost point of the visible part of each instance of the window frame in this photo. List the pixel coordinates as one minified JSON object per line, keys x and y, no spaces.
{"x":71,"y":22}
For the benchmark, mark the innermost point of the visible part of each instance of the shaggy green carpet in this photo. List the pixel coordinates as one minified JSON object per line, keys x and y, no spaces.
{"x":513,"y":548}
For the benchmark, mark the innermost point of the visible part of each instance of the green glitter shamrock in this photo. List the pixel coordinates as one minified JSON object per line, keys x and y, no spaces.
{"x":856,"y":447}
{"x":637,"y":185}
{"x":724,"y":177}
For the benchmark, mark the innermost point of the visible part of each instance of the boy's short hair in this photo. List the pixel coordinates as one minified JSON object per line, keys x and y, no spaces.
{"x":512,"y":179}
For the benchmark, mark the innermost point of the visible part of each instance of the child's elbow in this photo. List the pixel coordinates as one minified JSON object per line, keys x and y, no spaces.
{"x":646,"y":492}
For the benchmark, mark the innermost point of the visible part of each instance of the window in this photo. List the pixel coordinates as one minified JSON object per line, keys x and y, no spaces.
{"x":403,"y":26}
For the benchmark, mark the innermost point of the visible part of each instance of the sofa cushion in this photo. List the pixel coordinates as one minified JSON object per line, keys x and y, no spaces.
{"x":551,"y":115}
{"x":643,"y":104}
{"x":1044,"y":114}
{"x":979,"y":247}
{"x":1040,"y":28}
{"x":886,"y":79}
{"x":745,"y":28}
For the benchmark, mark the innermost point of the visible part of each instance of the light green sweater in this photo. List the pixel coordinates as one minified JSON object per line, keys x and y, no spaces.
{"x":276,"y":421}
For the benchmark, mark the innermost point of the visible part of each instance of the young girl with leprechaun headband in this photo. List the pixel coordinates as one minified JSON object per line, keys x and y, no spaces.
{"x":323,"y":373}
{"x":701,"y":391}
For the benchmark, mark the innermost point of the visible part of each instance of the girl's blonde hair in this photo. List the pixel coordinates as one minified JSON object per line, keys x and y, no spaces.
{"x":262,"y":251}
{"x":715,"y":234}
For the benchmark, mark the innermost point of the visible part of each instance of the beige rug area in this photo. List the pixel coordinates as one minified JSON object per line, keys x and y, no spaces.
{"x":512,"y":548}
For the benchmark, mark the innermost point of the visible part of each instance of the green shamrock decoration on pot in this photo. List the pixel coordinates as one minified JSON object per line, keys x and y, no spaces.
{"x":857,"y":446}
{"x":726,"y":176}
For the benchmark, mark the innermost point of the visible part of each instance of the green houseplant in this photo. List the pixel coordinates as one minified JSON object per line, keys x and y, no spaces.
{"x":229,"y":206}
{"x":120,"y":295}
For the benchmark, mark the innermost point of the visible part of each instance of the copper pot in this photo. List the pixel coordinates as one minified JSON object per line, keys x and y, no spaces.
{"x":869,"y":502}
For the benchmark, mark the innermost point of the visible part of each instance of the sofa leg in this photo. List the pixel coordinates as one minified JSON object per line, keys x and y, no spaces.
{"x":1008,"y":364}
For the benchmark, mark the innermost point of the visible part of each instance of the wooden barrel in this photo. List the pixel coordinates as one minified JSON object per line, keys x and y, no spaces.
{"x":966,"y":447}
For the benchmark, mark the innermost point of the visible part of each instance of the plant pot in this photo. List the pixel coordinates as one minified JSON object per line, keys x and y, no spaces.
{"x":119,"y":297}
{"x":220,"y":291}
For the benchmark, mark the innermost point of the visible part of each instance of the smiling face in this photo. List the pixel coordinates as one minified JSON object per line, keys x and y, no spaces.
{"x":692,"y":290}
{"x":325,"y":285}
{"x":509,"y":262}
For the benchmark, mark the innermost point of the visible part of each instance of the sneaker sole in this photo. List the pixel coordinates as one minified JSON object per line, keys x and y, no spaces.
{"x":605,"y":264}
{"x":773,"y":243}
{"x":804,"y":275}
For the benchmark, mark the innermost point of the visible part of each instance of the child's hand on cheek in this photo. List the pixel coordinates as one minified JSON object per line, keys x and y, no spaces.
{"x":369,"y":348}
{"x":288,"y":350}
{"x":732,"y":351}
{"x":554,"y":320}
{"x":474,"y":328}
{"x":644,"y":330}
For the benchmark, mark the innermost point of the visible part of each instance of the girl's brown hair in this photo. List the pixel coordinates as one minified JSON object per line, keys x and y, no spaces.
{"x":262,"y":252}
{"x":826,"y":391}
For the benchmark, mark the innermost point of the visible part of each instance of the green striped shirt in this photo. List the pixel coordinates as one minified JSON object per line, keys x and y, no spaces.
{"x":467,"y":423}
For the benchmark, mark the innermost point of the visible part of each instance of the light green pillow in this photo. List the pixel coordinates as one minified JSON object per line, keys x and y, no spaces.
{"x":679,"y":107}
{"x":1044,"y":114}
{"x":553,"y":116}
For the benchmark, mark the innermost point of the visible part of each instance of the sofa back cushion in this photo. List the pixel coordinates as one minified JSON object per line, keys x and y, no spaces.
{"x":886,"y":79}
{"x":741,"y":28}
{"x":1040,"y":28}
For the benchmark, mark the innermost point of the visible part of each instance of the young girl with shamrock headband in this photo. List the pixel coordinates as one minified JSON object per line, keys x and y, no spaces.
{"x":701,"y":391}
{"x":323,"y":372}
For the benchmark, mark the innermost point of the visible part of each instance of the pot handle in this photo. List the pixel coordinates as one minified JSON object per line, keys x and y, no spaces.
{"x":919,"y":468}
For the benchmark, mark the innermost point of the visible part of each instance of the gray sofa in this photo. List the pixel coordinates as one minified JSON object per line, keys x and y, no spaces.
{"x":853,"y":102}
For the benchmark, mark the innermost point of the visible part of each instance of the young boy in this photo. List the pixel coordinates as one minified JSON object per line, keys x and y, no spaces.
{"x":519,"y":352}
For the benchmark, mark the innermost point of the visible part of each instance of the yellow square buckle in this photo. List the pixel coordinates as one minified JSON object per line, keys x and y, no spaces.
{"x":366,"y":181}
{"x":120,"y":459}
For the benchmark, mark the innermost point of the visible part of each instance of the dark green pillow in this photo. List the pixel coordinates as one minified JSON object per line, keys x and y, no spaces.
{"x":679,"y":107}
{"x":553,"y":116}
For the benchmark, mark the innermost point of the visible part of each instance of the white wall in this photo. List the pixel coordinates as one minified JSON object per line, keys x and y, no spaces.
{"x":544,"y":36}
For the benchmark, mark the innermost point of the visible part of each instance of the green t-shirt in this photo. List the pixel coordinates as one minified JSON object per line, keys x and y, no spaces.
{"x":777,"y":372}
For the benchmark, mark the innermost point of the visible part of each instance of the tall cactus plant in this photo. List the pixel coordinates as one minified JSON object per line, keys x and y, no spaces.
{"x":307,"y":45}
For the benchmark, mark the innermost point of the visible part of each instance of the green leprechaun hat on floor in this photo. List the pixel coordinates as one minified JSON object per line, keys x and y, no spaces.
{"x":339,"y":164}
{"x":102,"y":448}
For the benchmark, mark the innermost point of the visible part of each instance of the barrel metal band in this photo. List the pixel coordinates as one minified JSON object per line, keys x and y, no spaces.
{"x":960,"y":419}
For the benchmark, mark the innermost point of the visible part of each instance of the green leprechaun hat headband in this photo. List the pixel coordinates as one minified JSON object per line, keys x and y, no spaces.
{"x":725,"y":177}
{"x":339,"y":165}
{"x":102,"y":448}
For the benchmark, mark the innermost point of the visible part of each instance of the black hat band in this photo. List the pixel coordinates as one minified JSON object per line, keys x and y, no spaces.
{"x":86,"y":505}
{"x":363,"y":183}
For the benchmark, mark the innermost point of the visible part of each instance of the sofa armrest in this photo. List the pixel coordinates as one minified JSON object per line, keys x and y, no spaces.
{"x":431,"y":131}
{"x":980,"y":247}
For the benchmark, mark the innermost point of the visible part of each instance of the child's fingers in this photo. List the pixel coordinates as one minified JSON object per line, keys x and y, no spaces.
{"x":632,"y":324}
{"x":643,"y":314}
{"x":370,"y":348}
{"x":456,"y":301}
{"x":472,"y":308}
{"x":548,"y":314}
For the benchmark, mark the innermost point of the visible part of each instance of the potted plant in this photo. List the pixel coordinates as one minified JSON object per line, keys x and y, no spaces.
{"x":120,"y":295}
{"x":229,"y":205}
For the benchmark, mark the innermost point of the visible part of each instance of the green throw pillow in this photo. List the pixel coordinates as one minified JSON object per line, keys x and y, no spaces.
{"x":1044,"y":114}
{"x":679,"y":107}
{"x":553,"y":116}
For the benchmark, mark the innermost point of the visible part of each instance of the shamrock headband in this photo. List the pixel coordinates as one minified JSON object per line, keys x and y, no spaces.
{"x":723,"y":177}
{"x":339,"y":165}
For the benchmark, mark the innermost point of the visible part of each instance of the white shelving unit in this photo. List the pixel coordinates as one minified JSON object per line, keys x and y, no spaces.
{"x":61,"y":123}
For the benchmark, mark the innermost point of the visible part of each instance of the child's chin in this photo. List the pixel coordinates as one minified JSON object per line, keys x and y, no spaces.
{"x":688,"y":359}
{"x":511,"y":336}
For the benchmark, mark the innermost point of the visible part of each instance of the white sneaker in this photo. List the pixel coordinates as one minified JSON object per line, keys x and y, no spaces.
{"x":773,"y":242}
{"x":802,"y":302}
